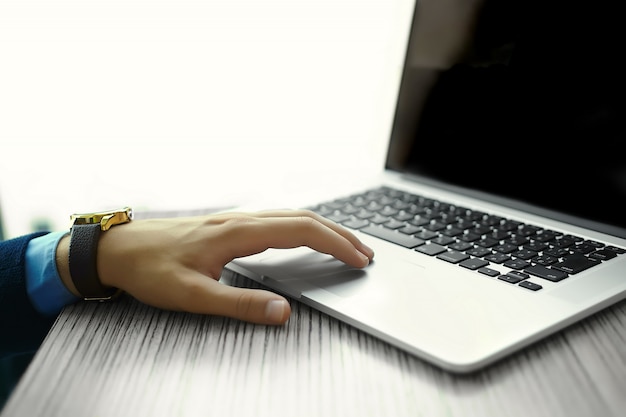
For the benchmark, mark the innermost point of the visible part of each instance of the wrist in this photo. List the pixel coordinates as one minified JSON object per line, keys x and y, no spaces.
{"x":63,"y":265}
{"x":87,"y":233}
{"x":109,"y":261}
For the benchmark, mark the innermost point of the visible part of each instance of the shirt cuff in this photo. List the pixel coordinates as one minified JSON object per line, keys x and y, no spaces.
{"x":45,"y":289}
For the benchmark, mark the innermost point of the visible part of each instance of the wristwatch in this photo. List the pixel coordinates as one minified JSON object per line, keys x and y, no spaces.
{"x":84,"y":236}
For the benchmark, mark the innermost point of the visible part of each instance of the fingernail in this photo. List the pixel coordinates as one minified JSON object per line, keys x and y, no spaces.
{"x":370,"y":251}
{"x":275,"y":310}
{"x":364,"y":258}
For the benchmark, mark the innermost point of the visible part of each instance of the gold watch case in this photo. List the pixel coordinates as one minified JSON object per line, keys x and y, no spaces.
{"x":106,"y":219}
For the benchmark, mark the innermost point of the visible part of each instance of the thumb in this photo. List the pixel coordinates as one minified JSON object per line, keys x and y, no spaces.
{"x":247,"y":304}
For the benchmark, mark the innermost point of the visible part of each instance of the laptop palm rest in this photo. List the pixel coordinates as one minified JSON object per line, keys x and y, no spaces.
{"x":455,"y":320}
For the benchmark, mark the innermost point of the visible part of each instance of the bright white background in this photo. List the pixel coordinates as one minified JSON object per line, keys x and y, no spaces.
{"x":184,"y":104}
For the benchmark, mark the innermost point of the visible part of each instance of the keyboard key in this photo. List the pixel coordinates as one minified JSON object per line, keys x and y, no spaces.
{"x":451,"y":232}
{"x":530,"y":285}
{"x":546,"y":235}
{"x":527,"y":230}
{"x":615,"y":249}
{"x":498,"y":258}
{"x":505,"y":248}
{"x":516,"y":264}
{"x":546,"y":273}
{"x":393,"y":236}
{"x":453,"y":256}
{"x":575,"y":264}
{"x":516,"y":240}
{"x":473,"y":263}
{"x":525,"y":254}
{"x":514,"y":225}
{"x":442,"y":240}
{"x":426,"y":234}
{"x":511,"y":279}
{"x":489,"y":272}
{"x":388,"y":211}
{"x":486,"y":242}
{"x":545,"y":260}
{"x":563,"y":242}
{"x":379,"y":219}
{"x":536,"y":246}
{"x":518,"y":274}
{"x":403,"y":216}
{"x":556,"y":252}
{"x":583,"y":248}
{"x":469,"y":237}
{"x":435,"y":226}
{"x":350,"y":209}
{"x":603,"y":254}
{"x":418,"y":221}
{"x":597,"y":245}
{"x":410,"y":229}
{"x":478,"y":252}
{"x":394,"y":224}
{"x":365,"y":214}
{"x":498,"y":234}
{"x":461,"y":246}
{"x":431,"y":249}
{"x":480,"y":229}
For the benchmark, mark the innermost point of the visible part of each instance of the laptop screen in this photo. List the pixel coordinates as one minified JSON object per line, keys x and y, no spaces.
{"x":518,"y":100}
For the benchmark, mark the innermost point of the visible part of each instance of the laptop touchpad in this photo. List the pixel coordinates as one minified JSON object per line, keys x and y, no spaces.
{"x":304,"y":268}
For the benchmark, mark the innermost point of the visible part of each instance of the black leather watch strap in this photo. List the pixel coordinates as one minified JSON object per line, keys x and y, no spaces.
{"x":82,"y":259}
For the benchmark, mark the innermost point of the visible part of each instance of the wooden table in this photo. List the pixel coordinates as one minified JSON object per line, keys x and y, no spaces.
{"x":128,"y":359}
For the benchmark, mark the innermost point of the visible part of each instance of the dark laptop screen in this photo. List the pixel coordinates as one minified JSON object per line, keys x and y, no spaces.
{"x":523,"y":100}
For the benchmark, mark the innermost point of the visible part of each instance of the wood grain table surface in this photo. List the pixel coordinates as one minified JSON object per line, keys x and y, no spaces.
{"x":129,"y":359}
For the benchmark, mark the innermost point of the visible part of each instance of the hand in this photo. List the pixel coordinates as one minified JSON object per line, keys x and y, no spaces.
{"x":176,"y":263}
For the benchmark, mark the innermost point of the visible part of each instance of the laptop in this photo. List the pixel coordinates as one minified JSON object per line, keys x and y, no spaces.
{"x":498,"y":217}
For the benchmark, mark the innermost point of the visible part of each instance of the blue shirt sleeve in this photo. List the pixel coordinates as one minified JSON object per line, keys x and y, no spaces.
{"x":45,"y":289}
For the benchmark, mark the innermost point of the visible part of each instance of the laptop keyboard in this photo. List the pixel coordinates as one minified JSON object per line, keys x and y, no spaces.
{"x":471,"y":239}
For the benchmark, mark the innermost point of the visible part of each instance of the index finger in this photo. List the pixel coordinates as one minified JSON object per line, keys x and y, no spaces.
{"x":291,"y":229}
{"x":337,"y":228}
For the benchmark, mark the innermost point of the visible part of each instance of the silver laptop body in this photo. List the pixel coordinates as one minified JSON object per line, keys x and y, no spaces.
{"x":493,"y":117}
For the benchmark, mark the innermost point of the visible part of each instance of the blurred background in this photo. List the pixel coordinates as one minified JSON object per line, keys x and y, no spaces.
{"x":188,"y":105}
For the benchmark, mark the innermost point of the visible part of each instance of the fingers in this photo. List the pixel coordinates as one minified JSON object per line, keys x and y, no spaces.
{"x":207,"y":296}
{"x":342,"y":231}
{"x":256,"y":232}
{"x":293,"y":228}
